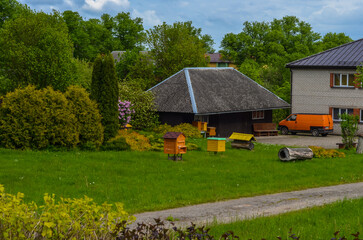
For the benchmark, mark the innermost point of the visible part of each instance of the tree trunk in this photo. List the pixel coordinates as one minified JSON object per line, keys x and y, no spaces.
{"x":360,"y":144}
{"x":289,"y":154}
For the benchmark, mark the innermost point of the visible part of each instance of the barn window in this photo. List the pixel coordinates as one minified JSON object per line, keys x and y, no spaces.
{"x":258,"y":115}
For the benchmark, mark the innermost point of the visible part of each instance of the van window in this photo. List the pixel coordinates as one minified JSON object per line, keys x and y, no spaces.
{"x":292,"y":118}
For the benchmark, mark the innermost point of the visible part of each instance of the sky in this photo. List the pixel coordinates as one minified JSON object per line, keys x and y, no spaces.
{"x":218,"y":17}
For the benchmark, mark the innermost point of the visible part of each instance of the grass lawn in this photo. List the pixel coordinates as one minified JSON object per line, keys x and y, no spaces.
{"x":314,"y":223}
{"x":149,"y":181}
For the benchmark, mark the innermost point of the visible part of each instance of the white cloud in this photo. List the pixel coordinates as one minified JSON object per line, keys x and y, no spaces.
{"x":339,"y":6}
{"x":149,"y":17}
{"x":97,"y":5}
{"x":183,"y":4}
{"x":68,"y":3}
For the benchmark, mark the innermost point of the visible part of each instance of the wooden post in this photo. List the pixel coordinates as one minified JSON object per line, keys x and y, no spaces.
{"x":289,"y":154}
{"x":360,"y":144}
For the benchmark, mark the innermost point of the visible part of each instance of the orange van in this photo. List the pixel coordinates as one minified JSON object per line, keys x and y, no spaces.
{"x":303,"y":122}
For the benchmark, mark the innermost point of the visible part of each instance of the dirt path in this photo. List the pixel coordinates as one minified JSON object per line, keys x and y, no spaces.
{"x":243,"y":208}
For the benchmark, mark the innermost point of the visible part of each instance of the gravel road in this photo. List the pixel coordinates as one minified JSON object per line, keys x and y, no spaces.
{"x":303,"y":140}
{"x":265,"y":205}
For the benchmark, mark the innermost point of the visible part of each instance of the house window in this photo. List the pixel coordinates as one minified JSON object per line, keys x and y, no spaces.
{"x":222,"y":64}
{"x":343,"y":80}
{"x":361,"y":115}
{"x":258,"y":115}
{"x":339,"y":111}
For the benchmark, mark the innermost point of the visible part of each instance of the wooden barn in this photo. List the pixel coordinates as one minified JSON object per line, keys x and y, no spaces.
{"x":223,"y":97}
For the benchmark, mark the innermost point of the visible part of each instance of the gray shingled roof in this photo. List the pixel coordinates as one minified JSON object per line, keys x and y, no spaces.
{"x":213,"y":91}
{"x":348,"y":55}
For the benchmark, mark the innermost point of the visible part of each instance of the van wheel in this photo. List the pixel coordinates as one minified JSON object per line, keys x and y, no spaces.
{"x":315,"y":132}
{"x":284,"y":131}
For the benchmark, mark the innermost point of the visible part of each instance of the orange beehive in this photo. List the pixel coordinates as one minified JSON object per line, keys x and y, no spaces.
{"x":174,"y":143}
{"x":211,"y":131}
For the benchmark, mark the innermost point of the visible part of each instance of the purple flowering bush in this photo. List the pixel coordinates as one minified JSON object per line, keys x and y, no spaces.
{"x":125,"y":111}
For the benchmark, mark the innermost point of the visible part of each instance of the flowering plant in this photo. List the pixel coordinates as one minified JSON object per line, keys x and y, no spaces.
{"x":125,"y":110}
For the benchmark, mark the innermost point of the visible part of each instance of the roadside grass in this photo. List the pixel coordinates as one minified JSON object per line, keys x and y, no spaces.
{"x":314,"y":223}
{"x":146,"y":181}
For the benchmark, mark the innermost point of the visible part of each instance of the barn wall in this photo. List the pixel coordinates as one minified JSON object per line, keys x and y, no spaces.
{"x":175,"y":118}
{"x":225,"y":124}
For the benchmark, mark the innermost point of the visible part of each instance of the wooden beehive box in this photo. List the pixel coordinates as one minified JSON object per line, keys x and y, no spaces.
{"x":242,"y":140}
{"x":202,"y":126}
{"x":216,"y":145}
{"x":211,"y":131}
{"x":174,"y":143}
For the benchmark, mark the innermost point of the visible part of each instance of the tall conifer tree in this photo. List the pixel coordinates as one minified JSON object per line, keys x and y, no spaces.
{"x":104,"y":90}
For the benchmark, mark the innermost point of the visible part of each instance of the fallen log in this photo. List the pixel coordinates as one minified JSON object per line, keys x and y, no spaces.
{"x":242,"y":144}
{"x":290,"y":154}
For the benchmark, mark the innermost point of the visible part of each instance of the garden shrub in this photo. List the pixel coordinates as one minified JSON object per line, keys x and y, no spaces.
{"x":116,"y":144}
{"x":35,"y":119}
{"x":320,"y":152}
{"x":187,"y":129}
{"x":64,"y":219}
{"x":136,"y":141}
{"x":87,"y":115}
{"x":145,"y":115}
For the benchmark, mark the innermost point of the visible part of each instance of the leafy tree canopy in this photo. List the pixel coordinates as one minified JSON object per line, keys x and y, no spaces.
{"x":174,"y":47}
{"x":35,"y":49}
{"x":10,"y":9}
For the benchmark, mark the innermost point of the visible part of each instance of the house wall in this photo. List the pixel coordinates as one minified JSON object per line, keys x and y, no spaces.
{"x":312,"y":93}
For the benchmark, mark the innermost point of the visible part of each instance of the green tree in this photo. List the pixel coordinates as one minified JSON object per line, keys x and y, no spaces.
{"x":129,"y":33}
{"x":263,"y":49}
{"x":11,"y":9}
{"x":35,"y":49}
{"x":104,"y":90}
{"x":174,"y":47}
{"x":136,"y":67}
{"x":331,"y":40}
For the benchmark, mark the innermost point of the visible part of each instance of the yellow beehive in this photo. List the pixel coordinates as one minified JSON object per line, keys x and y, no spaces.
{"x":216,"y":145}
{"x":202,"y":126}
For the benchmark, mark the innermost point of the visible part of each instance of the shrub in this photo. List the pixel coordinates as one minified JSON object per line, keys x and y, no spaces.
{"x":145,"y":116}
{"x":136,"y":141}
{"x":189,"y":130}
{"x":125,"y":111}
{"x":66,"y":219}
{"x":349,"y":126}
{"x":35,"y":119}
{"x":87,"y":115}
{"x":320,"y":152}
{"x":116,"y":144}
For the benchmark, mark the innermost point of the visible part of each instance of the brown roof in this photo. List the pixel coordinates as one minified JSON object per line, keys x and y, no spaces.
{"x":217,"y":58}
{"x":173,"y":135}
